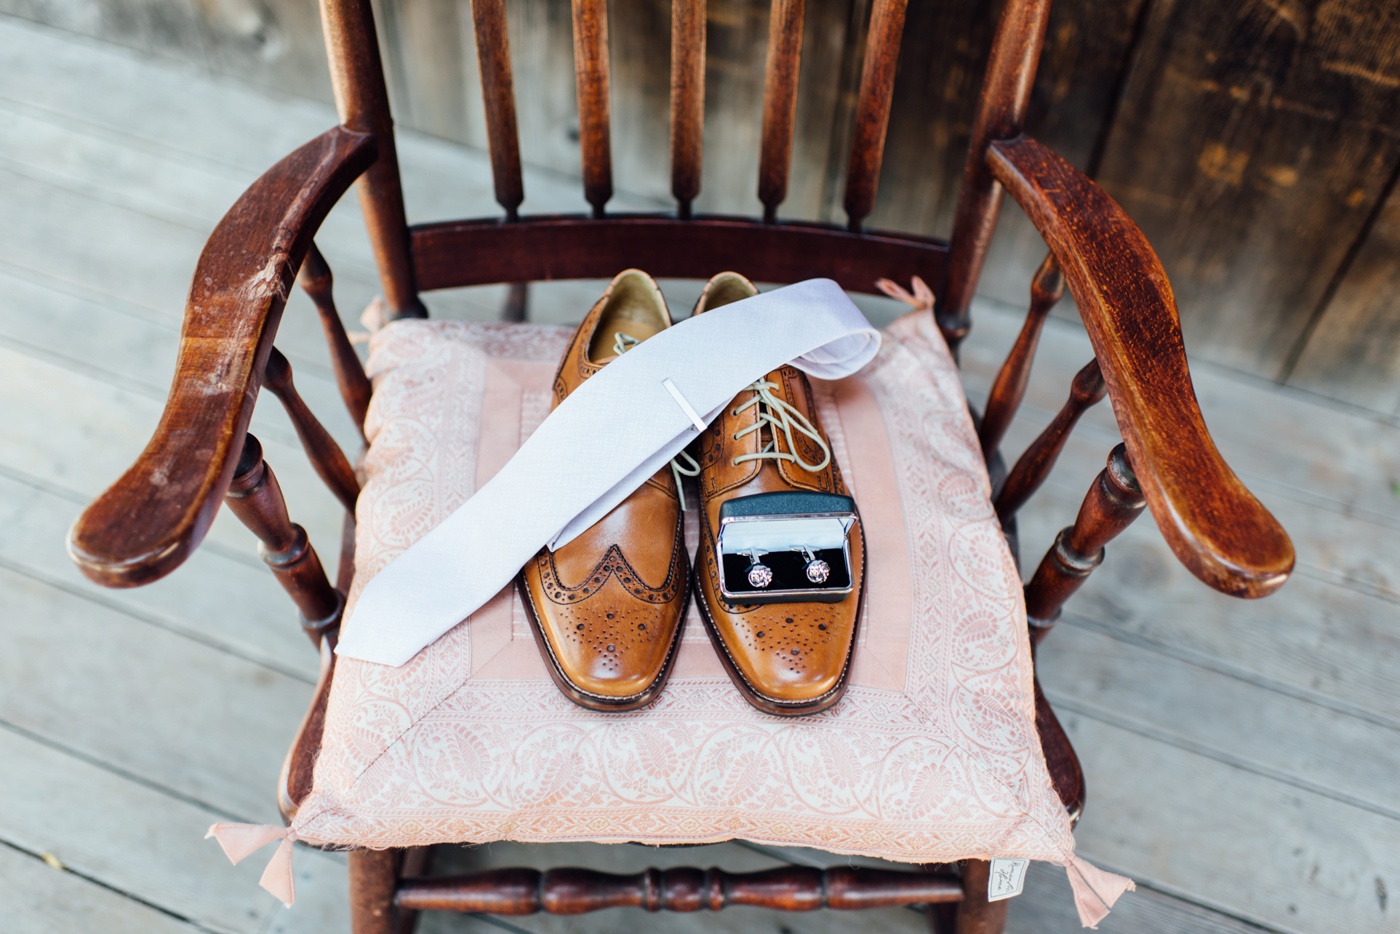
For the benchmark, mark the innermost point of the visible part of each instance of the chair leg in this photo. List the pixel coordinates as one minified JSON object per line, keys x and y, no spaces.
{"x":374,"y":874}
{"x":976,"y":915}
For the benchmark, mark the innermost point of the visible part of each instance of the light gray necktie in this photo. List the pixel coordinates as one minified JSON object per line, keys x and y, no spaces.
{"x":613,"y":432}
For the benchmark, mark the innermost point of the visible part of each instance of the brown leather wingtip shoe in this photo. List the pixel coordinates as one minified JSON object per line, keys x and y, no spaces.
{"x":794,"y":657}
{"x":606,"y":608}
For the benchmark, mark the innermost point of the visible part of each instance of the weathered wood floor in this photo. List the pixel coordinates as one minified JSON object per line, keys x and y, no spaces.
{"x":1242,"y":758}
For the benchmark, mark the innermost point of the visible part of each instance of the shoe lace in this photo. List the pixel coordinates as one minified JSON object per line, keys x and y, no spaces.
{"x":690,"y":468}
{"x":781,"y":418}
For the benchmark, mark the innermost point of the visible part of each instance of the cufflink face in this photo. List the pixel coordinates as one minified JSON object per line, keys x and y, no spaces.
{"x":785,"y":548}
{"x":818,"y":571}
{"x":759,"y":575}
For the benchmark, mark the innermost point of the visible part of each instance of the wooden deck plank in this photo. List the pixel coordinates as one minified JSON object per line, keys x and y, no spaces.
{"x":37,"y":899}
{"x":1284,"y":736}
{"x":204,"y":725}
{"x":110,"y":426}
{"x":1237,"y":842}
{"x":134,"y":838}
{"x":235,"y":606}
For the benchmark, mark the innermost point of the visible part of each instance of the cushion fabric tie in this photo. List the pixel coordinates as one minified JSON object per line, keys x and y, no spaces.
{"x":577,"y":466}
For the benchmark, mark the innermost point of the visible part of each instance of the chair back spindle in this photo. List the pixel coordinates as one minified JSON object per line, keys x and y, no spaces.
{"x":362,"y":100}
{"x":785,"y":23}
{"x":1001,"y":111}
{"x":498,"y":98}
{"x":355,"y":388}
{"x":687,"y":100}
{"x":1113,"y":502}
{"x":256,"y":499}
{"x":873,"y":109}
{"x":1009,"y":388}
{"x":326,"y":457}
{"x":1033,"y":466}
{"x":591,"y":74}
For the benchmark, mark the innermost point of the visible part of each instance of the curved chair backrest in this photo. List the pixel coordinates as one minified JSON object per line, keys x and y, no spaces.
{"x":521,"y":248}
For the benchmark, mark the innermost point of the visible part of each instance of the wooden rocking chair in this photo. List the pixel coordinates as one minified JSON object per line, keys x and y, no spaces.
{"x":202,"y":454}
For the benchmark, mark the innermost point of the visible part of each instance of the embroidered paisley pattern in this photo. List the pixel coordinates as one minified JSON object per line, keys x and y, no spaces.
{"x":932,"y":756}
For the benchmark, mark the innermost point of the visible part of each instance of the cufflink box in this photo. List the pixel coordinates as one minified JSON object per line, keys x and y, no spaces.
{"x":788,"y":547}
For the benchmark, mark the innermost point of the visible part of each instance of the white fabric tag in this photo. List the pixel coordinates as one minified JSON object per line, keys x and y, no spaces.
{"x":1007,"y":878}
{"x":601,"y":443}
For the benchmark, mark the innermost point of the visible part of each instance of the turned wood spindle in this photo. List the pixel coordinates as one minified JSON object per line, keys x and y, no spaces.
{"x":327,"y":458}
{"x":687,"y":100}
{"x":872,"y":116}
{"x":779,"y":103}
{"x":256,"y":499}
{"x":1034,"y":465}
{"x":1111,"y":505}
{"x":355,"y":389}
{"x":576,"y":891}
{"x":1001,"y":112}
{"x":591,"y":77}
{"x":1047,"y":288}
{"x":498,"y":99}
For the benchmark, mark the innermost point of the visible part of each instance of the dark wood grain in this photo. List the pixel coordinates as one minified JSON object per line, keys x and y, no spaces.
{"x":317,"y":282}
{"x":1034,"y":465}
{"x":1352,"y":351}
{"x":687,"y":100}
{"x":152,"y":518}
{"x":498,"y":97}
{"x":1009,"y":388}
{"x":783,"y":65}
{"x":256,"y":499}
{"x":1060,"y":758}
{"x":1001,"y":112}
{"x":572,"y":247}
{"x":373,"y":876}
{"x":577,"y":891}
{"x":591,"y":76}
{"x":1114,"y":500}
{"x":326,"y":457}
{"x":1212,"y":523}
{"x":976,"y":915}
{"x":1253,"y":143}
{"x":298,"y":768}
{"x":872,"y":116}
{"x":362,"y":99}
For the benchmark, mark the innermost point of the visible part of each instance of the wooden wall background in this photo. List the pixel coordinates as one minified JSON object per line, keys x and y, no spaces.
{"x":1256,"y":142}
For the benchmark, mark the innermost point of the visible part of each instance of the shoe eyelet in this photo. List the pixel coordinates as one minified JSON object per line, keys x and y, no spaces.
{"x":734,"y":462}
{"x":734,"y":437}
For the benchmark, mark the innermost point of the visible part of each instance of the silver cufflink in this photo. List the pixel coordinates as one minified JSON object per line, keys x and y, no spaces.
{"x":818,"y":571}
{"x":759,"y":574}
{"x":785,"y":548}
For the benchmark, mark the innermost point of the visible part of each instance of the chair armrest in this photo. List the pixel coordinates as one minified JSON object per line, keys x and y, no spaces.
{"x":152,"y":518}
{"x":1211,"y":522}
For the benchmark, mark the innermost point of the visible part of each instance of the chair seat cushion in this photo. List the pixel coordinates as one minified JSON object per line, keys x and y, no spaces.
{"x":932,"y":755}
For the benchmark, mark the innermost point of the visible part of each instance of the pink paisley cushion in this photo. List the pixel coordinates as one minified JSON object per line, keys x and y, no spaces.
{"x":932,"y":756}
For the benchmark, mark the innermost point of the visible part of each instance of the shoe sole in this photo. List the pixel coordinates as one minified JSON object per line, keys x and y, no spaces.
{"x":588,"y":699}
